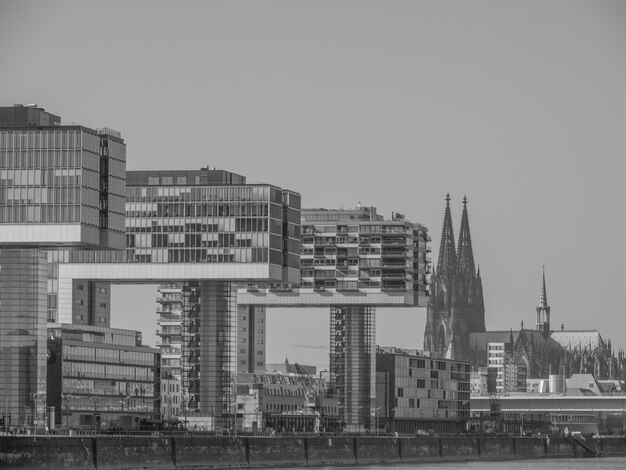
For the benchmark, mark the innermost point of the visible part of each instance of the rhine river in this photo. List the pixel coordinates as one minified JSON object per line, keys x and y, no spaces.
{"x":604,"y":463}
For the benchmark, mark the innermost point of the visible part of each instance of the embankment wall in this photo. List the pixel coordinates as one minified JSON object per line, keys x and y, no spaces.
{"x":216,"y":452}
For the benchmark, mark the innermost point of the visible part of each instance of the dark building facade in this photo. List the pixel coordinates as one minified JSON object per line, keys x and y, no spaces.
{"x":455,"y":306}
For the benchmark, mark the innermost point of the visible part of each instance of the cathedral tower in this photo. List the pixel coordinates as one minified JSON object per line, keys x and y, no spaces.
{"x":455,"y":307}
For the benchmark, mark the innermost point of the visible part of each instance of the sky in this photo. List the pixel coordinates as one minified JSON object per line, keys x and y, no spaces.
{"x":521,"y":106}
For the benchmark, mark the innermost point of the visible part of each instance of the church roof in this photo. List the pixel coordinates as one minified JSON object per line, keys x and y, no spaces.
{"x":582,"y":384}
{"x":578,"y":338}
{"x":480,"y":340}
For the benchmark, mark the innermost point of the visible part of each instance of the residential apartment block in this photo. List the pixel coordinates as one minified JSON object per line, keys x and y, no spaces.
{"x":418,"y":392}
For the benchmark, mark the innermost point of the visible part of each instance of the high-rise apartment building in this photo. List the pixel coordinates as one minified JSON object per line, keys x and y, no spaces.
{"x":61,"y":188}
{"x":353,"y":260}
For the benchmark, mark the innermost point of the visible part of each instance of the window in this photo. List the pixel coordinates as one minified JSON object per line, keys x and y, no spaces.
{"x":103,"y":305}
{"x":79,"y":317}
{"x":79,"y":301}
{"x":103,"y":320}
{"x":79,"y":287}
{"x":103,"y":290}
{"x":400,"y":392}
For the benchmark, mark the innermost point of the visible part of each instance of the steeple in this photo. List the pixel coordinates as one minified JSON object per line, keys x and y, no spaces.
{"x":465,"y":253}
{"x":447,"y":253}
{"x":543,"y":309}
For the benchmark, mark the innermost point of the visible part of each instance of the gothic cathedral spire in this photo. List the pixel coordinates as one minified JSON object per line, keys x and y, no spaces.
{"x":543,"y":309}
{"x":447,"y":252}
{"x":465,"y":251}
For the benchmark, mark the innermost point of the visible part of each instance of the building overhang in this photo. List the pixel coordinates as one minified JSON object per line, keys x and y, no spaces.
{"x":149,"y":273}
{"x":299,"y":297}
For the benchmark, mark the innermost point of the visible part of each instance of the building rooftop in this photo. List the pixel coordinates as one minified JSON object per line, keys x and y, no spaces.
{"x":203,"y":177}
{"x":578,"y":338}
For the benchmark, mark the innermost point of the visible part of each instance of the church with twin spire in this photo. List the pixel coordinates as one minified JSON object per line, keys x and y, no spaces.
{"x":455,"y":305}
{"x":455,"y":320}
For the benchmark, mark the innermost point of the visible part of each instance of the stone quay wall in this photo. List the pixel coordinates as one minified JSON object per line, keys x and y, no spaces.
{"x":215,"y":452}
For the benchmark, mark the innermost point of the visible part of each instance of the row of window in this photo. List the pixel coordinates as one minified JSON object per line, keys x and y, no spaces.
{"x":88,"y":353}
{"x":248,"y":193}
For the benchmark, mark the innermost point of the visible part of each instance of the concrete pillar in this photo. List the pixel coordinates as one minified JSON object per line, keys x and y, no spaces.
{"x":353,"y":363}
{"x":218,"y":346}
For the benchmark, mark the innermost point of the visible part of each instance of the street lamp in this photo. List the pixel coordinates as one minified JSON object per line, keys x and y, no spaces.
{"x":35,"y":396}
{"x":95,"y":400}
{"x":376,"y":411}
{"x":521,"y":431}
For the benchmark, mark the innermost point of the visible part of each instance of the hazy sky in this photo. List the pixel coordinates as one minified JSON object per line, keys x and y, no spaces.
{"x":519,"y":105}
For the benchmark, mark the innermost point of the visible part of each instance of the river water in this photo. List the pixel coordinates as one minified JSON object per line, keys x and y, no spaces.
{"x":604,"y":463}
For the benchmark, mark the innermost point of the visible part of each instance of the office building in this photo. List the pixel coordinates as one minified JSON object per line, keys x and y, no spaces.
{"x":418,"y":392}
{"x":201,"y":231}
{"x":61,"y":188}
{"x":101,"y":378}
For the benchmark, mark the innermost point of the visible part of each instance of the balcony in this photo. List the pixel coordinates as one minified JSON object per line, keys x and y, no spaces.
{"x":393,"y":253}
{"x":168,"y":299}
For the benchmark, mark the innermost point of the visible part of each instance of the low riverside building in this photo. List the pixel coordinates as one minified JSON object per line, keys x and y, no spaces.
{"x":417,"y":392}
{"x":100,"y":378}
{"x":587,"y":414}
{"x":285,"y":403}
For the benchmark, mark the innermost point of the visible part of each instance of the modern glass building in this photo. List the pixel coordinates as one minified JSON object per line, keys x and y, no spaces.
{"x":101,"y":378}
{"x":203,"y":230}
{"x":61,"y":188}
{"x":59,"y":184}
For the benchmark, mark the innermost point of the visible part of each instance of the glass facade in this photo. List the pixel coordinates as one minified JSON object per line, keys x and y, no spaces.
{"x":22,"y":337}
{"x":64,"y":175}
{"x":101,"y":378}
{"x":210,"y":224}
